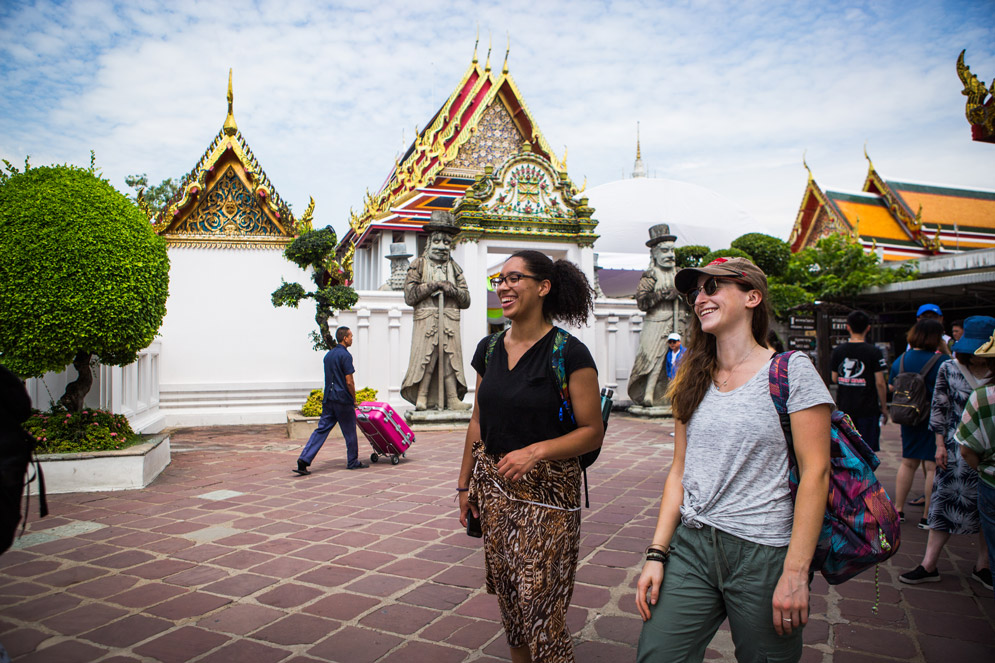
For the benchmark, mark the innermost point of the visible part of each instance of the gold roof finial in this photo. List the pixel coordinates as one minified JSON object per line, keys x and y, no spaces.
{"x":475,"y":44}
{"x":504,"y":70}
{"x":639,"y":154}
{"x":230,"y":127}
{"x":870,"y":163}
{"x":487,"y":66}
{"x":805,"y":163}
{"x":566,"y":150}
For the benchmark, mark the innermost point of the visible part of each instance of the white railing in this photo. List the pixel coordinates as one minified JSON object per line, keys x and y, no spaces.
{"x":131,"y":390}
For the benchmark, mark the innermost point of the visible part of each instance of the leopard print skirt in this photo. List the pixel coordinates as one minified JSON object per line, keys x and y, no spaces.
{"x":531,"y":544}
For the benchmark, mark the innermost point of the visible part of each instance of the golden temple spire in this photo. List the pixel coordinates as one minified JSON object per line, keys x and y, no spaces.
{"x":805,"y":163}
{"x":639,"y":154}
{"x":638,"y":168}
{"x":230,"y":127}
{"x":870,"y":163}
{"x":487,"y":66}
{"x":504,"y":69}
{"x":477,"y":41}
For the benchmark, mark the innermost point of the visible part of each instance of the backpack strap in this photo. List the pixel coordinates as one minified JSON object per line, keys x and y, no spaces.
{"x":778,"y":378}
{"x":558,"y":362}
{"x":901,"y":363}
{"x":491,"y":344}
{"x":924,"y":371}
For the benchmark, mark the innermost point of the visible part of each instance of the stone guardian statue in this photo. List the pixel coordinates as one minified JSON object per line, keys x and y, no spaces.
{"x":437,"y":290}
{"x":656,"y":296}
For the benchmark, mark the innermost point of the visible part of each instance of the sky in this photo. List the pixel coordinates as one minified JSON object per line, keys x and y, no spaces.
{"x":729,"y":95}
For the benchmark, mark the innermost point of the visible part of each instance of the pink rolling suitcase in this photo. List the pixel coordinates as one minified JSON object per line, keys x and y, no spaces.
{"x":387,"y":431}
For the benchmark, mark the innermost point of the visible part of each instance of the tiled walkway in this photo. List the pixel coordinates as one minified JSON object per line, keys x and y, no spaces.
{"x":229,"y":557}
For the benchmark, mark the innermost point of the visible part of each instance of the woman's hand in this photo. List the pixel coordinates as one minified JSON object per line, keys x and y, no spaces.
{"x":516,"y":464}
{"x":790,"y":602}
{"x":465,"y":506}
{"x":650,"y":581}
{"x":941,"y":452}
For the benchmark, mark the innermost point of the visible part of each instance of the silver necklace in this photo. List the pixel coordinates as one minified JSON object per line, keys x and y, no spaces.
{"x":735,"y":367}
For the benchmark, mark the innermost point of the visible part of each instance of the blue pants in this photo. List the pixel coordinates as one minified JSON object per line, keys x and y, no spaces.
{"x":343,"y":414}
{"x":869,"y":429}
{"x":986,"y":513}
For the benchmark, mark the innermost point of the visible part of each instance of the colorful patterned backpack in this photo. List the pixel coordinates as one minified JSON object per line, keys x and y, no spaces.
{"x":860,"y":527}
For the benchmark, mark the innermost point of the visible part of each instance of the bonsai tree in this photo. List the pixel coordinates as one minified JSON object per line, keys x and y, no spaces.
{"x":82,"y":275}
{"x":315,"y":250}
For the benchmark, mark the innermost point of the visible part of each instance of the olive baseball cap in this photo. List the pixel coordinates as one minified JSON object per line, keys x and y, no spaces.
{"x":740,"y":269}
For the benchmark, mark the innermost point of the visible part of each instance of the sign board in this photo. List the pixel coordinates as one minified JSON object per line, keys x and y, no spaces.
{"x":802,"y":322}
{"x":804,"y":343}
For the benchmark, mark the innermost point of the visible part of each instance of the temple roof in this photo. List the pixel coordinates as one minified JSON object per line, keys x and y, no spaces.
{"x":902,"y":219}
{"x":482,"y":123}
{"x":227,"y":199}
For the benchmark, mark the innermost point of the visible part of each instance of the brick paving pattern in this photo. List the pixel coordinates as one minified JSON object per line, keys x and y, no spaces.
{"x":229,"y":556}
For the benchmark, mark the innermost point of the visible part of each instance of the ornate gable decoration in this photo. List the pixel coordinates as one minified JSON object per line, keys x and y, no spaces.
{"x":525,"y":197}
{"x":483,"y":122}
{"x":228,"y":201}
{"x":980,"y":105}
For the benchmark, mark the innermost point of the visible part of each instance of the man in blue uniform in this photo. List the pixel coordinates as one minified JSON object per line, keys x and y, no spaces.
{"x":337,"y":407}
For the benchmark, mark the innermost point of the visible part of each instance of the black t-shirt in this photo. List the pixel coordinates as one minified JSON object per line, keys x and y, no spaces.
{"x":522,"y":406}
{"x":856,"y":365}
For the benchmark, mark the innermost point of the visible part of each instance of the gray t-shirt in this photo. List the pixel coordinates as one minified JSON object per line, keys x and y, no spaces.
{"x":736,"y":465}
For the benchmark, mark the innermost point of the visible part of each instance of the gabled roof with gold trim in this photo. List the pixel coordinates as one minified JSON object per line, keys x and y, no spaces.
{"x":980,"y":105}
{"x":482,"y":123}
{"x":901,"y":219}
{"x":228,"y":200}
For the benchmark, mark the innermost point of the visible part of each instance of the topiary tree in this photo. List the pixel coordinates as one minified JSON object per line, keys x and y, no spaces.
{"x":690,"y":256}
{"x":82,"y":275}
{"x":724,"y":253}
{"x":315,"y":249}
{"x":769,"y":253}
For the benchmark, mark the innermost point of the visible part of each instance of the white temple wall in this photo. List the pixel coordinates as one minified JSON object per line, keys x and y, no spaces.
{"x":228,"y":355}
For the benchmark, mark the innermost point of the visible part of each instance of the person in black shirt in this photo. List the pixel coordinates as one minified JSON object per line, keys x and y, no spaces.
{"x":859,"y":371}
{"x":520,"y":474}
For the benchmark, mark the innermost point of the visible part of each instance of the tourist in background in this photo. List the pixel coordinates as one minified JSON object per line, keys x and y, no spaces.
{"x":976,"y":437}
{"x":956,"y":330}
{"x":918,"y":442}
{"x":729,"y":540}
{"x":675,"y":352}
{"x":521,"y":452}
{"x":858,"y":370}
{"x":953,"y":508}
{"x":933,"y":312}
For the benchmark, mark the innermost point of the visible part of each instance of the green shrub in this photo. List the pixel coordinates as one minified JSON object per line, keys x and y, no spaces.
{"x":769,"y":253}
{"x":61,"y":431}
{"x":82,"y":275}
{"x":312,"y":407}
{"x":690,"y":256}
{"x":724,"y":253}
{"x":784,"y":296}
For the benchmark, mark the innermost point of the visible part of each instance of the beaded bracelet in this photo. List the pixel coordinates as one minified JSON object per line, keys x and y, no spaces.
{"x":462,"y":490}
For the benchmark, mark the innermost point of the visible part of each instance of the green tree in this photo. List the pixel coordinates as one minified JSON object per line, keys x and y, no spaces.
{"x":315,"y":249}
{"x":771,"y":254}
{"x":724,"y":253}
{"x":155,"y":197}
{"x":838,"y":266}
{"x":690,"y":256}
{"x":82,"y":275}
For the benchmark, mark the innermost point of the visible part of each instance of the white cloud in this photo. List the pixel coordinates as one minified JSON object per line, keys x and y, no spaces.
{"x":729,"y":94}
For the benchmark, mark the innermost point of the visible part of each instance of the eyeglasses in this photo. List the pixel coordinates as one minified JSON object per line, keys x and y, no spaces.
{"x":709,"y":287}
{"x":512,"y":279}
{"x":669,"y":342}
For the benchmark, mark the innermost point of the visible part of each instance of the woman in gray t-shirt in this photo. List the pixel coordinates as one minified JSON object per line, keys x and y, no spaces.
{"x":729,"y":542}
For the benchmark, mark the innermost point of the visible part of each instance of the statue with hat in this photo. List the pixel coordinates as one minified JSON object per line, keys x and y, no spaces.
{"x":437,"y":290}
{"x":656,"y":296}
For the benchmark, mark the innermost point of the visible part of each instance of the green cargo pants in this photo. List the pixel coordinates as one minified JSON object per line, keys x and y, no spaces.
{"x":712,"y":575}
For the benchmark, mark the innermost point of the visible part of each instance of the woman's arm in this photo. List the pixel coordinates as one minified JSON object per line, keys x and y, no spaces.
{"x":651,"y":578}
{"x":810,"y":431}
{"x":585,"y":400}
{"x":466,"y":467}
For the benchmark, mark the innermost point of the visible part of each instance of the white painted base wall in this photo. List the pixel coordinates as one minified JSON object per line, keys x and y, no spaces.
{"x":127,"y":469}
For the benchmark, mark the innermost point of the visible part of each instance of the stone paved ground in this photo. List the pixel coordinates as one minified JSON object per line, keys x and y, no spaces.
{"x":228,"y":556}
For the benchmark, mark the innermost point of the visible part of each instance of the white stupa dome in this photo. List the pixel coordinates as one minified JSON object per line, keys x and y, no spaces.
{"x":626,"y":209}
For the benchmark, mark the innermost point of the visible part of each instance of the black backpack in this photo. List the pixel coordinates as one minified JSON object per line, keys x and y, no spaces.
{"x":559,"y":372}
{"x":910,"y":400}
{"x":16,"y":449}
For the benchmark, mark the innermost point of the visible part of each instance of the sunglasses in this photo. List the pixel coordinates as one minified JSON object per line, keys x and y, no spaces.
{"x":512,"y":279}
{"x":709,"y":287}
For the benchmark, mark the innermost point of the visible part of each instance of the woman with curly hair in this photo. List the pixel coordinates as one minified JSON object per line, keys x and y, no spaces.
{"x":520,"y":474}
